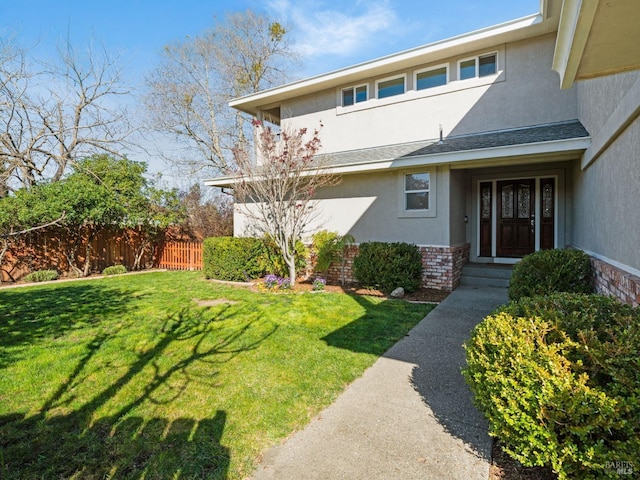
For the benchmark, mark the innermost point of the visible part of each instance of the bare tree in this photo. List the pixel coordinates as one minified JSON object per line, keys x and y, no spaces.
{"x":190,"y":89}
{"x":15,"y":120}
{"x":276,"y":191}
{"x":58,"y":113}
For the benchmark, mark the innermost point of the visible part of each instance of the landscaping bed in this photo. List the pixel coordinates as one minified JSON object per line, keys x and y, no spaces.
{"x":503,"y":467}
{"x":422,"y":295}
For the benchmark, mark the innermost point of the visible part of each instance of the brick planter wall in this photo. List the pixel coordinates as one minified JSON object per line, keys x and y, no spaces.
{"x":610,"y":280}
{"x":442,"y":266}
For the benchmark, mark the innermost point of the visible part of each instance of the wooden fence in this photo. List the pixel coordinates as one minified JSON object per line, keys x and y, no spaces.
{"x":44,"y":249}
{"x":181,"y":256}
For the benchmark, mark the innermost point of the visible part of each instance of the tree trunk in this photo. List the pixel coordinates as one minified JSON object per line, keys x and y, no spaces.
{"x":292,"y":271}
{"x":87,"y":259}
{"x":3,"y":252}
{"x":289,"y":257}
{"x":139,"y":253}
{"x":70,"y":255}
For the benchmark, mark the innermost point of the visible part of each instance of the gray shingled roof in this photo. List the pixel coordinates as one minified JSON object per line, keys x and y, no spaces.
{"x":503,"y":138}
{"x":375,"y":154}
{"x":517,"y":136}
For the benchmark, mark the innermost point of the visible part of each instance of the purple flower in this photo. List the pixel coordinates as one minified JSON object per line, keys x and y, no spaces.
{"x":271,"y":281}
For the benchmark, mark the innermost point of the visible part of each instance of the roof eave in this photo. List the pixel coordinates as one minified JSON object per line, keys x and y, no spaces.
{"x":222,"y":182}
{"x":555,"y":150}
{"x":575,"y":24}
{"x":525,"y":27}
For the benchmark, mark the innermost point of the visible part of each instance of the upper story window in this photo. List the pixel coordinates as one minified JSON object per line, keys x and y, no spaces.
{"x":431,"y":77}
{"x":352,"y":95}
{"x":480,"y":66}
{"x":389,"y":87}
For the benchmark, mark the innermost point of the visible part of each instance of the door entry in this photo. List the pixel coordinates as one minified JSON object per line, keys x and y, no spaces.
{"x":516,"y":223}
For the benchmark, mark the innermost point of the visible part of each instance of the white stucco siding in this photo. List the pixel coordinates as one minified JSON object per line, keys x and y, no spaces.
{"x":525,"y":92}
{"x":367,"y":206}
{"x":597,"y":99}
{"x":607,"y":216}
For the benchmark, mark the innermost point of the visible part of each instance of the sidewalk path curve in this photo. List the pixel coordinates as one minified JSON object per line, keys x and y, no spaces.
{"x":410,"y":416}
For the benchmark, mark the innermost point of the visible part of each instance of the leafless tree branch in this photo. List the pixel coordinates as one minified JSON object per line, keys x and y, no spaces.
{"x":54,"y":114}
{"x":277,"y":189}
{"x":191,"y":88}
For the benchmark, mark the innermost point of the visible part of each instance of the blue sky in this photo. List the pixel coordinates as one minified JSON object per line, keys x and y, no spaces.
{"x":327,"y":34}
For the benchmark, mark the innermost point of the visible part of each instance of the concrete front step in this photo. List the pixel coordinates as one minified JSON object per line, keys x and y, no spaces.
{"x":490,"y":275}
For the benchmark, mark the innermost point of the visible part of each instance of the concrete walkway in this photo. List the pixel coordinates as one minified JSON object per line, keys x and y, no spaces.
{"x":410,"y":416}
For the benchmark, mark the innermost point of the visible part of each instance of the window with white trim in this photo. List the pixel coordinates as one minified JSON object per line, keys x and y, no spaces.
{"x":480,"y":66}
{"x":431,"y":77}
{"x":388,"y":87}
{"x":416,"y":191}
{"x":353,"y":95}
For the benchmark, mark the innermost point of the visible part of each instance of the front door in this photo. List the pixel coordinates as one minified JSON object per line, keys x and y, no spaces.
{"x":515,"y":228}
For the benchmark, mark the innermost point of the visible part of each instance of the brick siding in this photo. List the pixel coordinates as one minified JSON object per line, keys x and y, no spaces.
{"x":442,"y":266}
{"x":334,"y":275}
{"x":610,"y":280}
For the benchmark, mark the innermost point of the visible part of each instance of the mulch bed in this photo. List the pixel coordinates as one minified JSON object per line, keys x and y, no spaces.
{"x":422,"y":295}
{"x":503,"y":467}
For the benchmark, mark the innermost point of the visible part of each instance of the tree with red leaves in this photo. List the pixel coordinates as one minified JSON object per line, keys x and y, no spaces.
{"x":276,"y":187}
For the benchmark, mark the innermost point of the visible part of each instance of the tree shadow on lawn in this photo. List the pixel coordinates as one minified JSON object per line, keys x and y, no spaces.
{"x":372,"y":333}
{"x":27,"y":316}
{"x":64,"y":446}
{"x":125,"y":444}
{"x":437,"y":356}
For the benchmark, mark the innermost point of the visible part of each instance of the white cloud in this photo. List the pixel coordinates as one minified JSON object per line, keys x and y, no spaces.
{"x":320,"y":31}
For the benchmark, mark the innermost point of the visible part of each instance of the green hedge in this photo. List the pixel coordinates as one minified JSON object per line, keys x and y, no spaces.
{"x":241,"y":259}
{"x":388,"y":266}
{"x":41,"y":276}
{"x":548,"y":271}
{"x":558,"y":378}
{"x":115,"y":270}
{"x":237,"y":259}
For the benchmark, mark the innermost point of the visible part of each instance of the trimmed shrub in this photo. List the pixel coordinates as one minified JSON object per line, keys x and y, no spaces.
{"x":548,"y":271}
{"x":237,"y":259}
{"x":41,"y":276}
{"x":115,"y":270}
{"x":388,"y":266}
{"x":558,"y":378}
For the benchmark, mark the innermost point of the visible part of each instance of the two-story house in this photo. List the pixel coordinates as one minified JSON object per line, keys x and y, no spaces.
{"x":470,"y":149}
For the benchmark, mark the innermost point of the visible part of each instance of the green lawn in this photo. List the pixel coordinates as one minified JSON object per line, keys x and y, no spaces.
{"x":128,"y":377}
